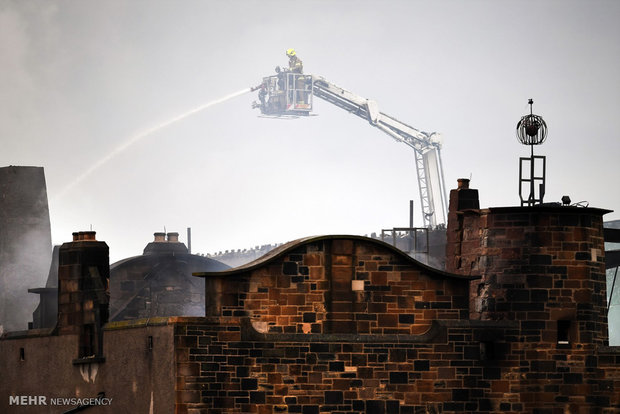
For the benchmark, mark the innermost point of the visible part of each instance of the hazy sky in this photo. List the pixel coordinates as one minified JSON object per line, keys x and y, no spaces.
{"x":79,"y":79}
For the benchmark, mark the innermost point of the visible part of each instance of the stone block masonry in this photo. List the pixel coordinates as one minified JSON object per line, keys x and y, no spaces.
{"x":543,"y":268}
{"x":83,"y":296}
{"x":326,"y":325}
{"x":346,"y":324}
{"x":297,"y":373}
{"x":338,"y":288}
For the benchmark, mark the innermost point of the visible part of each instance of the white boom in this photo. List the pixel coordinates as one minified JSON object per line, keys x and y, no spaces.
{"x":290,"y":94}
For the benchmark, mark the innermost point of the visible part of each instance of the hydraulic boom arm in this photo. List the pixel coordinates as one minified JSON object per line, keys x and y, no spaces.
{"x":426,"y":146}
{"x":290,"y":94}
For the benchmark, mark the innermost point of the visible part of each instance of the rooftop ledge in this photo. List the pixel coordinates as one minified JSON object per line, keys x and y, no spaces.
{"x":157,"y":321}
{"x":292,"y":245}
{"x":543,"y":208}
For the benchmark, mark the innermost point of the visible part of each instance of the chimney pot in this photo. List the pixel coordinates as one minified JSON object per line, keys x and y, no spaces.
{"x":76,"y":236}
{"x":463,"y":183}
{"x":160,"y":237}
{"x":89,"y":236}
{"x":173,"y":237}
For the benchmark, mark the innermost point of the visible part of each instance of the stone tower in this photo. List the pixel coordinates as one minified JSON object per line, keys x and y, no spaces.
{"x":542,"y":264}
{"x":25,"y":243}
{"x":541,"y":268}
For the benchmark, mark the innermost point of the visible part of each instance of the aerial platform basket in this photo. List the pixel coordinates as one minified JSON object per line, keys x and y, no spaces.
{"x":286,"y":94}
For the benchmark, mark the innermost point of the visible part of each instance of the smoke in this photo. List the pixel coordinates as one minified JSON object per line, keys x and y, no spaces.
{"x":25,"y":265}
{"x":25,"y":243}
{"x":132,"y":140}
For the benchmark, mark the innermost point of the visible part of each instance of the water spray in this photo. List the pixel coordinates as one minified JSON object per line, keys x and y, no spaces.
{"x":135,"y":138}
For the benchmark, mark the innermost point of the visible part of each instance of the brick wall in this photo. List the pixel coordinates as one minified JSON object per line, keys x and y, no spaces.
{"x":537,"y":263}
{"x":338,"y":325}
{"x":138,"y":372}
{"x":83,"y":292}
{"x":229,"y":368}
{"x":542,"y":267}
{"x":293,"y":334}
{"x":344,"y":286}
{"x":608,"y":364}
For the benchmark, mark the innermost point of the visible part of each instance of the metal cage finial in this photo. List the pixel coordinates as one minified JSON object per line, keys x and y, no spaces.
{"x":531,"y":129}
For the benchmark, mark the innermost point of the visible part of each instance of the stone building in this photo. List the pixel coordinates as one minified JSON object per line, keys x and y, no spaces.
{"x":347,"y":324}
{"x":390,"y":336}
{"x":25,"y":243}
{"x":159,"y":282}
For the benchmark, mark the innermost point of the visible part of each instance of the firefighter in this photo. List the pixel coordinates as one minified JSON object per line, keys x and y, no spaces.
{"x":294,"y":63}
{"x":296,"y":66}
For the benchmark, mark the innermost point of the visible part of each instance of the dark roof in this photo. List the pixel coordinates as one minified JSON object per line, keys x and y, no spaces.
{"x":295,"y":244}
{"x":158,"y":257}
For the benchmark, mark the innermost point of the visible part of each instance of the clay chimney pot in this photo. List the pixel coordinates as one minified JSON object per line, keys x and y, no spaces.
{"x":463,"y":183}
{"x":89,"y":236}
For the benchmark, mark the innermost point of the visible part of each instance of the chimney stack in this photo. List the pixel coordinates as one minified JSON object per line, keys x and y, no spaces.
{"x":166,"y":243}
{"x":461,"y":199}
{"x":83,"y":293}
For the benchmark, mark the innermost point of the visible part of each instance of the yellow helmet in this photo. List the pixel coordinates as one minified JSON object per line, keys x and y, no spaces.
{"x":290,"y":52}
